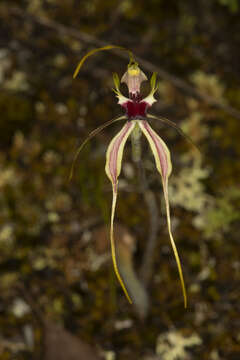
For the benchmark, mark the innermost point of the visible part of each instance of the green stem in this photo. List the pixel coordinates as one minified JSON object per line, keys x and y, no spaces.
{"x":136,"y":144}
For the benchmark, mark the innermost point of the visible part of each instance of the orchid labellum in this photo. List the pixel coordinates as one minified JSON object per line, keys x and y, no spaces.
{"x":136,"y":116}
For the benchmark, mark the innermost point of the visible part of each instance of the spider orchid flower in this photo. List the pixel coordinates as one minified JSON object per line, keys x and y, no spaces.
{"x":136,"y":117}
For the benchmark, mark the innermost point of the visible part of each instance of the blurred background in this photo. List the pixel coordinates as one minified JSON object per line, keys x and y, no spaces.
{"x":59,"y":297}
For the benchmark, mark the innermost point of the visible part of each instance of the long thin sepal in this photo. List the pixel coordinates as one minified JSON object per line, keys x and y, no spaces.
{"x":163,"y":163}
{"x":173,"y":125}
{"x":94,"y":51}
{"x":113,"y":169}
{"x":165,"y":190}
{"x":113,"y":248}
{"x":90,"y":136}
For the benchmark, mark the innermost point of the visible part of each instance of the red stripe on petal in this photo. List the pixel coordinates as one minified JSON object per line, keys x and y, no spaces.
{"x":114,"y":153}
{"x":113,"y":169}
{"x":160,"y":150}
{"x":163,"y":164}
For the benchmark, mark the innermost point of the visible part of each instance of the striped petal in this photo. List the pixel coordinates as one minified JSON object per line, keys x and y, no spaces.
{"x":176,"y":127}
{"x":113,"y":169}
{"x":90,"y":136}
{"x":164,"y":166}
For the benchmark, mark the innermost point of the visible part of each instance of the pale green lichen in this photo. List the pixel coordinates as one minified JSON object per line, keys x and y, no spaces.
{"x":186,"y":188}
{"x":219,"y":214}
{"x":172,"y":345}
{"x":19,"y":307}
{"x":7,"y":235}
{"x":17,"y":82}
{"x":8,"y":177}
{"x":109,"y":355}
{"x":208,"y":84}
{"x":194,"y":127}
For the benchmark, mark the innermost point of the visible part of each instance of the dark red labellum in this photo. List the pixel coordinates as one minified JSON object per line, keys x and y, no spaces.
{"x":135,"y":109}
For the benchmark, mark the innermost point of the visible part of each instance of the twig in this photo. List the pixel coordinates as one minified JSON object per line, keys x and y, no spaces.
{"x":89,"y":39}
